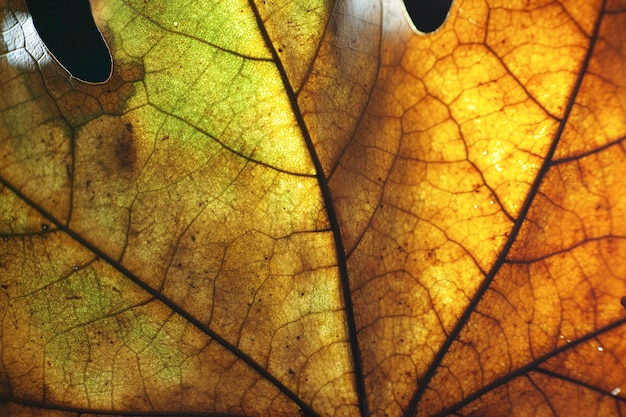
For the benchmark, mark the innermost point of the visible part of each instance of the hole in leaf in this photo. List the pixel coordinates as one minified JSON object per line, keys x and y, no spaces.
{"x":70,"y":34}
{"x":427,"y":15}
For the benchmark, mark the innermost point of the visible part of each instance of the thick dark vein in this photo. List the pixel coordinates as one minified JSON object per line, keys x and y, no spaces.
{"x":579,"y":383}
{"x":332,"y":218}
{"x":533,"y":366}
{"x":160,"y":297}
{"x":424,"y":382}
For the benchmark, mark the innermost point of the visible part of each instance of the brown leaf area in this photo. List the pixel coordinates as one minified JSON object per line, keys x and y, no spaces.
{"x":450,"y":244}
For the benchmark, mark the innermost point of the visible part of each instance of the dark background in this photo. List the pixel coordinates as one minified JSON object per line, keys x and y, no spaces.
{"x":428,"y":15}
{"x":69,"y":32}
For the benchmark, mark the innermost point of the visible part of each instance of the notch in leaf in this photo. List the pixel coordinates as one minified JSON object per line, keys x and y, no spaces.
{"x":68,"y":29}
{"x":428,"y":15}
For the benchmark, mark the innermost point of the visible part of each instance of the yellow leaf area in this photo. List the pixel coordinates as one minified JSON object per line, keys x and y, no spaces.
{"x":302,"y":208}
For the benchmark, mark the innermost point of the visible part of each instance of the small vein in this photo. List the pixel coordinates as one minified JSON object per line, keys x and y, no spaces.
{"x":195,"y":38}
{"x":115,"y":413}
{"x":595,"y":151}
{"x":232,"y":150}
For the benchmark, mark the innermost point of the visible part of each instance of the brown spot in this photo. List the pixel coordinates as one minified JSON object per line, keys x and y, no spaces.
{"x":73,"y":297}
{"x":126,"y":149}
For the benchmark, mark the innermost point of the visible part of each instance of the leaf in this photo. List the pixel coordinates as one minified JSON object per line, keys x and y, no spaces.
{"x":275,"y":209}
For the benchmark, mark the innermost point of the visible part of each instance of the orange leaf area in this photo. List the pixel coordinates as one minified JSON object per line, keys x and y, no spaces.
{"x":285,"y":209}
{"x":486,"y":254}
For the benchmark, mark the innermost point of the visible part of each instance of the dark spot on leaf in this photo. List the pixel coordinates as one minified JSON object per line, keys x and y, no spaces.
{"x":124,"y":149}
{"x":623,"y":302}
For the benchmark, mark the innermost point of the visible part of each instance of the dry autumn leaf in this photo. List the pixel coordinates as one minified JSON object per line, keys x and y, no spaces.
{"x":306,"y":208}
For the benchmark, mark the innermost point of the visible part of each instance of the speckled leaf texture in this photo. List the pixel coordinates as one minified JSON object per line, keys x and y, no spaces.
{"x":288,"y":208}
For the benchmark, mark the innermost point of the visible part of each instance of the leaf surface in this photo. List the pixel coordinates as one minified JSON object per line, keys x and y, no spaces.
{"x":277,"y":208}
